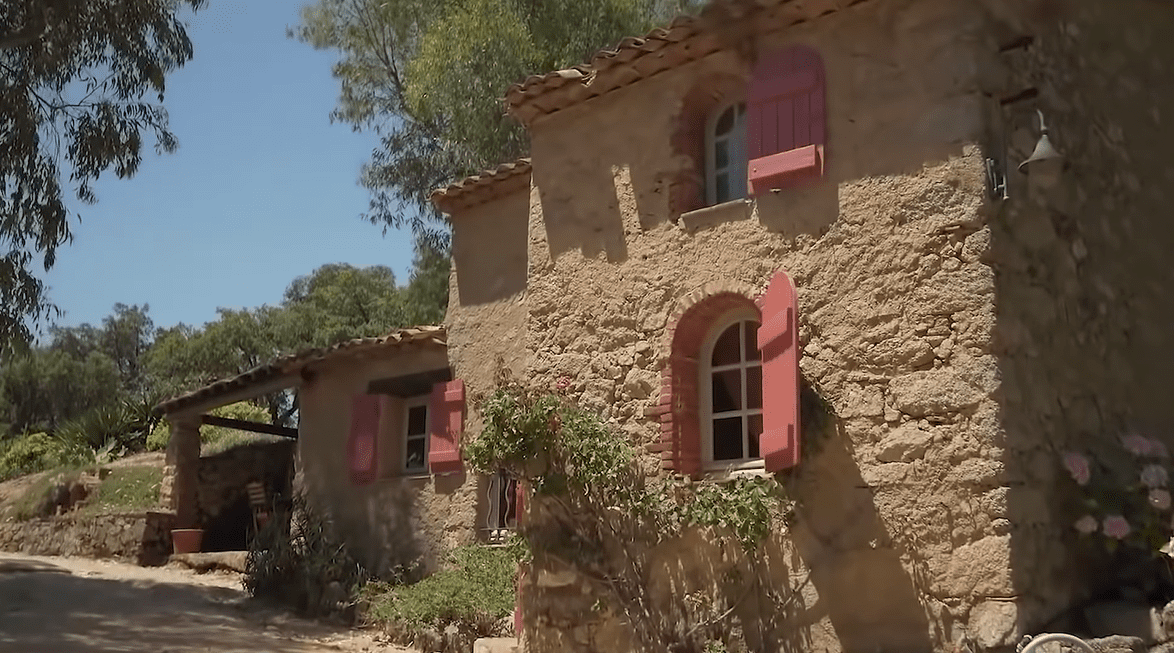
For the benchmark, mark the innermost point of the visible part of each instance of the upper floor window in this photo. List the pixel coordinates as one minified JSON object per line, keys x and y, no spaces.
{"x":726,"y":154}
{"x":731,"y":387}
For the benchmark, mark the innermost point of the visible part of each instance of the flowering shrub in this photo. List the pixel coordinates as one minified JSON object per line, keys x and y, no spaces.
{"x":1135,"y":514}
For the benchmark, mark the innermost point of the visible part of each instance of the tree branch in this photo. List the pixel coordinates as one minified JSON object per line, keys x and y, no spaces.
{"x":37,"y":26}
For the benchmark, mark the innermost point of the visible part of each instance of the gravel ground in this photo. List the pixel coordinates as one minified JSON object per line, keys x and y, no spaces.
{"x":74,"y":605}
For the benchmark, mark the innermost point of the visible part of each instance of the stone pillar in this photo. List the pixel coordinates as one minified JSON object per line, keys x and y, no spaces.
{"x":181,"y":470}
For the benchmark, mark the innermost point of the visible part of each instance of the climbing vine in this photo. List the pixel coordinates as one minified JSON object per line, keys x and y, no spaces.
{"x":595,"y":510}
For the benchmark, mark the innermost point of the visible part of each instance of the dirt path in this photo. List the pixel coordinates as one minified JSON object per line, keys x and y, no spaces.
{"x":72,"y":605}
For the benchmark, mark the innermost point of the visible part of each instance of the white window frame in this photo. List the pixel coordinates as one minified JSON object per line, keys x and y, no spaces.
{"x":738,"y":155}
{"x":705,"y":389}
{"x":409,"y":404}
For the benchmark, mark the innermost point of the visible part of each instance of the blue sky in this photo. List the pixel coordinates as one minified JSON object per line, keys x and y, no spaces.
{"x":262,"y":189}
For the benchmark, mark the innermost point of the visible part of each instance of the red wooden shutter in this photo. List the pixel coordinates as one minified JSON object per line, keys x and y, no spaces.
{"x":778,"y":340}
{"x":786,"y":119}
{"x":363,"y":441}
{"x":447,"y":413}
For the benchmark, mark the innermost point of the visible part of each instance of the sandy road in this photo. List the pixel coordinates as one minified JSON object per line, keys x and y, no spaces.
{"x":73,"y":605}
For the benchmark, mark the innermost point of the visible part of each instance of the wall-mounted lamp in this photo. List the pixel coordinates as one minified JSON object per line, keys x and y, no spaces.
{"x":1045,"y":163}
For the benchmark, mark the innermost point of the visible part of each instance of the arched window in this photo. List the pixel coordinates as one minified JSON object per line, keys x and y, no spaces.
{"x":731,"y":392}
{"x":725,"y":154}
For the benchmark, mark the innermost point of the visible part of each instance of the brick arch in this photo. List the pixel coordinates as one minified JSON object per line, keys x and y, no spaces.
{"x":679,"y":445}
{"x":688,"y":138}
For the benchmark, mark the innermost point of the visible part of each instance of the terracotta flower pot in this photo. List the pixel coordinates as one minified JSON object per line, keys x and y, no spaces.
{"x":187,"y":540}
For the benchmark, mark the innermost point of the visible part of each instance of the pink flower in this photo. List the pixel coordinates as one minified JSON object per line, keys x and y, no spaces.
{"x":1087,"y":525}
{"x":1160,"y":499}
{"x":563,"y":382}
{"x":1138,"y":445}
{"x":1154,"y":476}
{"x":1077,"y":466}
{"x":1116,"y":527}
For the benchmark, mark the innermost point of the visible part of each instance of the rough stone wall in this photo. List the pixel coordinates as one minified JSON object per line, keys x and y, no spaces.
{"x":144,"y":538}
{"x":397,"y":519}
{"x":222,"y":481}
{"x":1083,"y":341}
{"x":903,"y":519}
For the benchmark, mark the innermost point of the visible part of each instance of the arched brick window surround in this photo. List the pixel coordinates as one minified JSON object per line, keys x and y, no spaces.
{"x":689,"y":138}
{"x":678,"y":410}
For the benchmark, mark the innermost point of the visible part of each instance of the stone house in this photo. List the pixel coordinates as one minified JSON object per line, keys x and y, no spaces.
{"x":376,"y":447}
{"x":832,"y":189}
{"x":782,"y":193}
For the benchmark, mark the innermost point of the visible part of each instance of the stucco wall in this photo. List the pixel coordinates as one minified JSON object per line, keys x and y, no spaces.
{"x":486,"y":317}
{"x":1083,"y":310}
{"x":902,"y":520}
{"x":398,"y":519}
{"x":961,"y":341}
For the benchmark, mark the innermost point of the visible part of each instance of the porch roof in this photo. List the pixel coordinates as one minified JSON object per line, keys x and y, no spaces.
{"x":286,"y":371}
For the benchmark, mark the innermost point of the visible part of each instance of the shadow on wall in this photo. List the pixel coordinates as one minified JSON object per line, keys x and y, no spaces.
{"x":834,"y":582}
{"x":854,"y":567}
{"x":1082,"y":275}
{"x":489,"y":250}
{"x":583,"y":205}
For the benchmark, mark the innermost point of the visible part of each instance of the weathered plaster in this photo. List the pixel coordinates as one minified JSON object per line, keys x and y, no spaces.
{"x":961,"y":341}
{"x":398,"y":519}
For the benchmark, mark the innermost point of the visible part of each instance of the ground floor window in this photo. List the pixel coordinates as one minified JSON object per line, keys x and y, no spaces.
{"x":502,"y":516}
{"x":416,"y":435}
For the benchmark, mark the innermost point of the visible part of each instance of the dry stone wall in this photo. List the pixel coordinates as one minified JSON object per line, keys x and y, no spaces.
{"x":143,"y":538}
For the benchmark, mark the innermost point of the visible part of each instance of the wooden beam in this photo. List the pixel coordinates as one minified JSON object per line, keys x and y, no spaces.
{"x":252,"y":427}
{"x":245,"y":391}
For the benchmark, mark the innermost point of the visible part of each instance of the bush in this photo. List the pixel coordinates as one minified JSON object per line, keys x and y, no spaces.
{"x":32,"y":453}
{"x":474,"y":592}
{"x":297,"y":559}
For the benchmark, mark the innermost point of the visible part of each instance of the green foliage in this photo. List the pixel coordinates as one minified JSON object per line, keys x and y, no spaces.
{"x":32,"y":453}
{"x":127,"y":489}
{"x":429,"y":75}
{"x":595,"y":510}
{"x":74,"y":79}
{"x":297,"y":554}
{"x":214,"y":439}
{"x":474,"y":591}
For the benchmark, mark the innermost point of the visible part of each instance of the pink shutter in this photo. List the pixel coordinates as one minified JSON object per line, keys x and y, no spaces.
{"x":786,"y":119}
{"x":447,"y":412}
{"x":363,"y":441}
{"x":778,"y":340}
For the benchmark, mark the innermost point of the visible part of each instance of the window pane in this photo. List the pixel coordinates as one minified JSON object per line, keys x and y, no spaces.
{"x":725,"y":350}
{"x":725,"y":123}
{"x":721,"y":154}
{"x":415,"y":454}
{"x":752,"y":353}
{"x":755,"y":432}
{"x":754,"y":387}
{"x":727,"y":438}
{"x":727,"y":390}
{"x":722,"y":188}
{"x":417,"y":420}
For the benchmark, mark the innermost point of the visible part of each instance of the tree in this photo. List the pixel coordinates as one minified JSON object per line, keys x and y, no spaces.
{"x":428,"y":76}
{"x":426,"y":296}
{"x":73,"y":76}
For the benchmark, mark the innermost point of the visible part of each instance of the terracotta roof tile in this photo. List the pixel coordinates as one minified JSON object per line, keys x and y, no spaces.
{"x":290,"y":363}
{"x":480,"y":185}
{"x":685,"y":39}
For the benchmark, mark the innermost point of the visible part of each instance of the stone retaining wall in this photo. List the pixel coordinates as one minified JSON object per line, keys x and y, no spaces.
{"x":144,"y":538}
